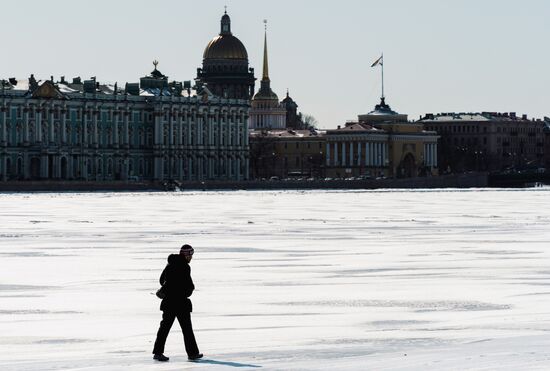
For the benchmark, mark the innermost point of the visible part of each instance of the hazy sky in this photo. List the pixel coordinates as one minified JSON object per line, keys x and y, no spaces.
{"x":467,"y":55}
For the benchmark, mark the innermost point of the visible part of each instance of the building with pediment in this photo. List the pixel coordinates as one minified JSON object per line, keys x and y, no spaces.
{"x":381,"y":143}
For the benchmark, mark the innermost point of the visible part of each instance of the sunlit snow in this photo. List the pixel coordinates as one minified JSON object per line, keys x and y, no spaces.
{"x":374,"y":280}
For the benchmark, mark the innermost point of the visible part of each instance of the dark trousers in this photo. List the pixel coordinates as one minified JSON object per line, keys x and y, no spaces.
{"x":184,"y":318}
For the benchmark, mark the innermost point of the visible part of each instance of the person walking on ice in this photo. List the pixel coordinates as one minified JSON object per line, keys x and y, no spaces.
{"x":177,"y":287}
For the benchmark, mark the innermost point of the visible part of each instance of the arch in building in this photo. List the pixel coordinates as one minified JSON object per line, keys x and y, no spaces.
{"x":64,"y":167}
{"x":407,"y":168}
{"x":35,"y":168}
{"x":99,"y":170}
{"x":8,"y":169}
{"x":19,"y":170}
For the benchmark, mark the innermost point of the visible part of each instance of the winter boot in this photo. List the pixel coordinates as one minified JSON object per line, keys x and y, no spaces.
{"x":160,"y":358}
{"x":194,"y":357}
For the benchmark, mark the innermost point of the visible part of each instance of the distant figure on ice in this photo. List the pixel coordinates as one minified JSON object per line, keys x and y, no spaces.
{"x":177,"y":286}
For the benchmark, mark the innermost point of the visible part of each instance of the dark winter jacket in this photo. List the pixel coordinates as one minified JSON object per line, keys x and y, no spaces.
{"x":178,"y":285}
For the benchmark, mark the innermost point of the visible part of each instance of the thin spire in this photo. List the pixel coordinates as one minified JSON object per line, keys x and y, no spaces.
{"x":266,"y":66}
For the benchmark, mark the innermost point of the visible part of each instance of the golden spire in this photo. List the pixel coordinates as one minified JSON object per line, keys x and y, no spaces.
{"x":266,"y":67}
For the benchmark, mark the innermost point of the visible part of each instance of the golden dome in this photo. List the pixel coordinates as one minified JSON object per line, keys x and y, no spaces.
{"x":225,"y":47}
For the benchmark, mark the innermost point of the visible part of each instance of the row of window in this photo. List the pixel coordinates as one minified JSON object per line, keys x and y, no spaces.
{"x":110,"y":168}
{"x":456,"y":129}
{"x":302,"y":145}
{"x":464,"y":141}
{"x":106,"y":115}
{"x":476,"y":129}
{"x":105,"y":135}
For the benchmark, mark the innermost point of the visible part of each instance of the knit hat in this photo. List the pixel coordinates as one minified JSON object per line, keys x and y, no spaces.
{"x":186,"y":250}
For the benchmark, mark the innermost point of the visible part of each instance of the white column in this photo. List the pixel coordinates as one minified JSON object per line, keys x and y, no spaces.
{"x":3,"y":131}
{"x":197,"y":127}
{"x":51,"y":126}
{"x":435,"y":155}
{"x":344,"y":162}
{"x":220,"y":129}
{"x":359,"y":154}
{"x":228,"y":167}
{"x":210,"y":129}
{"x":37,"y":127}
{"x":64,"y":133}
{"x":125,"y":133}
{"x":84,"y":128}
{"x":180,"y":129}
{"x":157,"y":132}
{"x":171,"y":128}
{"x":351,"y":145}
{"x":336,"y":162}
{"x":116,"y":139}
{"x":200,"y":127}
{"x":371,"y":154}
{"x":26,"y":127}
{"x":95,"y":131}
{"x":327,"y":154}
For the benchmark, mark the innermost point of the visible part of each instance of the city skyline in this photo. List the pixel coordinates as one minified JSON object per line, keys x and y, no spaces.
{"x":438,"y":58}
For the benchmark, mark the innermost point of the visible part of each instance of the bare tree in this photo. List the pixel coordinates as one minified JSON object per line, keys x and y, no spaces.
{"x":309,"y":121}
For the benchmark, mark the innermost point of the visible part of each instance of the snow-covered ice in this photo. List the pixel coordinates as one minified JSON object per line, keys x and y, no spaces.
{"x":365,"y":280}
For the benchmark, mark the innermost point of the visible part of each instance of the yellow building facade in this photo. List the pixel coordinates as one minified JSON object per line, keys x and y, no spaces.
{"x":381,"y":143}
{"x":287,"y":153}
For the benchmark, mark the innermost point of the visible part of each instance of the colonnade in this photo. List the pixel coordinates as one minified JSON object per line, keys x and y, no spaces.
{"x":430,"y":154}
{"x":356,"y":153}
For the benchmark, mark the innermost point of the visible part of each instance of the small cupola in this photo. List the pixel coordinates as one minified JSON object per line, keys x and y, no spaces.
{"x":226,"y":24}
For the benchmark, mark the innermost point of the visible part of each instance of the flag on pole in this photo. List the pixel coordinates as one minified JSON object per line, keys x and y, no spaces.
{"x":379,"y":61}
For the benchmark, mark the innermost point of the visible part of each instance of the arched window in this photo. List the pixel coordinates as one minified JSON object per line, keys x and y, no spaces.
{"x":19,"y":166}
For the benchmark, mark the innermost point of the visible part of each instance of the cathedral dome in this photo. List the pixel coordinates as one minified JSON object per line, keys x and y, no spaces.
{"x":265,"y":94}
{"x":225,"y":47}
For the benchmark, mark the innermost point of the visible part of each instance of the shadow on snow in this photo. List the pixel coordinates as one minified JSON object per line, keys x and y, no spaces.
{"x":223,"y":363}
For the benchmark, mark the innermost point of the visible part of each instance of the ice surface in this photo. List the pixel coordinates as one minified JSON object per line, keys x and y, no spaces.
{"x":365,"y":280}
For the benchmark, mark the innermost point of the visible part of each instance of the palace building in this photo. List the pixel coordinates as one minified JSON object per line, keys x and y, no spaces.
{"x":152,"y":130}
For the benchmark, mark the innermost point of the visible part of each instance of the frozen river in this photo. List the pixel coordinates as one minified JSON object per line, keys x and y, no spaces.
{"x":375,"y":280}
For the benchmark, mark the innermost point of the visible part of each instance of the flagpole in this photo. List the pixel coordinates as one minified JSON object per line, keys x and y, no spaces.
{"x":382,"y":75}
